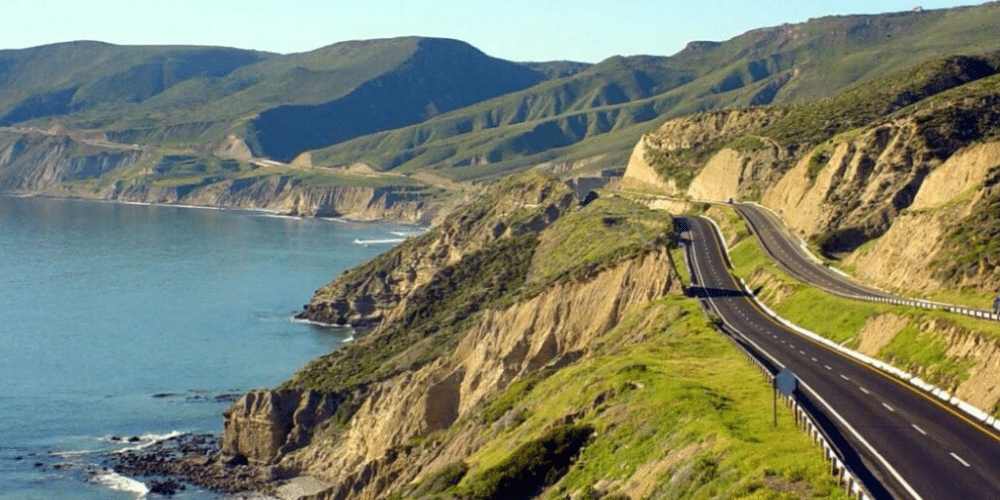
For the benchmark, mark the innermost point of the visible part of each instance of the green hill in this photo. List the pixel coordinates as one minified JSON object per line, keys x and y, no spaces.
{"x":81,"y":76}
{"x":413,"y":104}
{"x":601,"y":111}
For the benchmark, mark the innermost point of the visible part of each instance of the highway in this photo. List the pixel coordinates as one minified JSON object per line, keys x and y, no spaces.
{"x":779,"y":245}
{"x":913,"y":445}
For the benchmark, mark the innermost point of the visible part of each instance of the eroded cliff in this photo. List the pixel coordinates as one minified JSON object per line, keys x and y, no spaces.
{"x":849,"y":171}
{"x":482,"y":329}
{"x":70,"y":165}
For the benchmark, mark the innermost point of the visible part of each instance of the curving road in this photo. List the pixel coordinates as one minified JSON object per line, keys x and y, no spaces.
{"x":781,"y":247}
{"x":913,"y":445}
{"x":790,"y":256}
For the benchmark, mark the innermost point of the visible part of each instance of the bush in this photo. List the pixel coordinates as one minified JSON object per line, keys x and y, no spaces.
{"x":533,"y":465}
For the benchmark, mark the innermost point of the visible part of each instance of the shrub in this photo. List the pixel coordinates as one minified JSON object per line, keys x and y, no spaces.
{"x":533,"y":465}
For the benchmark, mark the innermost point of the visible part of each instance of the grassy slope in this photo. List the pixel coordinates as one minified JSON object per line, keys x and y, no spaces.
{"x":677,"y":411}
{"x":81,"y":76}
{"x":674,"y":417}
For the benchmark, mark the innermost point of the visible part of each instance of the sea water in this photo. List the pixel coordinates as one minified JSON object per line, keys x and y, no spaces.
{"x":121,"y":321}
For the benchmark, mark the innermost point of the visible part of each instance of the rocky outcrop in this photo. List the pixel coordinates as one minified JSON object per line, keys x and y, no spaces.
{"x":263,"y":426}
{"x":375,"y":291}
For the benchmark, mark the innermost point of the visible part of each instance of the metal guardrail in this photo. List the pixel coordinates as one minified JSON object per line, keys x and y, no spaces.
{"x":983,"y":417}
{"x":899,"y":301}
{"x":846,"y":478}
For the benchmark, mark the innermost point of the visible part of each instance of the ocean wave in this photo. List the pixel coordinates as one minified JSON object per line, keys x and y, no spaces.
{"x":119,"y":482}
{"x":279,"y":216}
{"x":293,"y":319}
{"x":146,"y":440}
{"x":386,"y":241}
{"x":407,"y":234}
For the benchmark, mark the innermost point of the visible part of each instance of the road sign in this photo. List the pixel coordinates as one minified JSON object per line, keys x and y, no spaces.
{"x":786,"y":382}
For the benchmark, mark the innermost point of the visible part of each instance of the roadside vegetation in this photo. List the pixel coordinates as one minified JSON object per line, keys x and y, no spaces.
{"x":670,"y":410}
{"x":916,"y":347}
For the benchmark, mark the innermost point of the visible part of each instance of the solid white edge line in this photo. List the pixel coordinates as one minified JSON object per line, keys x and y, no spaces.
{"x":871,"y":449}
{"x":866,"y":444}
{"x":956,"y":457}
{"x":833,"y":412}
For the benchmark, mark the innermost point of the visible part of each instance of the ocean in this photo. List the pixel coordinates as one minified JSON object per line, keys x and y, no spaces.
{"x":122,"y":325}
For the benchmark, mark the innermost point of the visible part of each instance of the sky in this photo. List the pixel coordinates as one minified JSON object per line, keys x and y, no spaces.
{"x":517,"y":30}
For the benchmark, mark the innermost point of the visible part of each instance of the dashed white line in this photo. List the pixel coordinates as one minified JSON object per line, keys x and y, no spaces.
{"x":887,"y":407}
{"x":864,"y":390}
{"x":802,"y":353}
{"x":956,"y":457}
{"x":844,"y":377}
{"x":792,"y":346}
{"x":919,"y":429}
{"x":815,"y":360}
{"x":827,"y":367}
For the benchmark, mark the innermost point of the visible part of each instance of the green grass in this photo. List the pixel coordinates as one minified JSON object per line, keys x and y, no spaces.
{"x":331,"y":178}
{"x":926,"y":354}
{"x":604,"y":231}
{"x":683,"y":397}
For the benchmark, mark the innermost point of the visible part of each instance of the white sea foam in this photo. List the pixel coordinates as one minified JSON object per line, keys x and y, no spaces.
{"x":293,"y":319}
{"x":386,"y":241}
{"x":118,"y":482}
{"x":407,"y":234}
{"x":75,"y":453}
{"x":147,"y":440}
{"x":275,"y":215}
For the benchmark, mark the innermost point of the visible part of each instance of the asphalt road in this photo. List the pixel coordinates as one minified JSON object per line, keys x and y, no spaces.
{"x":914,"y":445}
{"x":779,"y":245}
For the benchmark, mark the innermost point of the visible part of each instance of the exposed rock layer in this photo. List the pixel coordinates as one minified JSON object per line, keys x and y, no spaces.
{"x":59,"y":165}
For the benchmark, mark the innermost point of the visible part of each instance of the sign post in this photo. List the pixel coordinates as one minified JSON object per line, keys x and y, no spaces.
{"x":785,"y":382}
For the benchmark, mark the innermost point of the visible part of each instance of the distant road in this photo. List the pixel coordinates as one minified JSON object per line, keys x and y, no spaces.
{"x":914,"y":446}
{"x":783,"y":248}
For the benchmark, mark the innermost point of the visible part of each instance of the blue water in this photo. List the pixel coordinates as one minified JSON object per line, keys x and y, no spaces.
{"x":130,"y":320}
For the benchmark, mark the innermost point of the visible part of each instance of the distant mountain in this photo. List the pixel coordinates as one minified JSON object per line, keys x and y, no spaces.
{"x":407,"y":105}
{"x":418,"y":79}
{"x":296,"y":102}
{"x":76,"y":77}
{"x":597,"y":114}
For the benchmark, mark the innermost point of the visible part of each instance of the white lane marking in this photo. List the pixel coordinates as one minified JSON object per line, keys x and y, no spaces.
{"x":844,"y":377}
{"x":887,"y":407}
{"x":827,"y":367}
{"x":815,"y":360}
{"x":919,"y":429}
{"x":802,"y":353}
{"x":956,"y":457}
{"x":792,"y":346}
{"x":864,"y":390}
{"x":783,"y":342}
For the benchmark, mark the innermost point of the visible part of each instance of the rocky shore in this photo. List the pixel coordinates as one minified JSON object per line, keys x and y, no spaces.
{"x":193,"y":459}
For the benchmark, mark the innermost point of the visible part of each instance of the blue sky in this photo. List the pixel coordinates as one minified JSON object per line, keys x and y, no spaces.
{"x":520,"y":30}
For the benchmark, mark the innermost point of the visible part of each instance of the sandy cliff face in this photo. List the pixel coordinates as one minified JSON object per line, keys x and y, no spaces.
{"x":426,"y":410}
{"x":377,"y":291}
{"x":59,"y":165}
{"x":907,"y":255}
{"x":904,"y":183}
{"x":371,"y":454}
